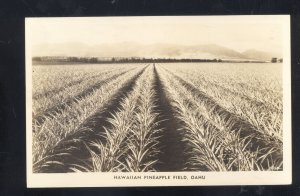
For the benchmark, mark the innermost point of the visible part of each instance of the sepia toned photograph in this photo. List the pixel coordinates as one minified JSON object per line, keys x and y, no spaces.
{"x":158,"y":101}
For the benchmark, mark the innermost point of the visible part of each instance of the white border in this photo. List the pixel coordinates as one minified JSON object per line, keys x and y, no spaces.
{"x":211,"y":178}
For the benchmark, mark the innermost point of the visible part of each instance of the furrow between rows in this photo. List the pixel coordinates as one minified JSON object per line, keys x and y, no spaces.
{"x":173,"y":156}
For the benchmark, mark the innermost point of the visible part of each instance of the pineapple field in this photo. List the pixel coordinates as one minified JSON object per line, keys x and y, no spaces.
{"x":164,"y":117}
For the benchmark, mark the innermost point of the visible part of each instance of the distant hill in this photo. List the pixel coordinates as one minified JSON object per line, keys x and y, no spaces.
{"x":259,"y":55}
{"x":212,"y":51}
{"x":126,"y":49}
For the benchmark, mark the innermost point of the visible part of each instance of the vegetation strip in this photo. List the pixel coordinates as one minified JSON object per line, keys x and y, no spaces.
{"x":143,"y":142}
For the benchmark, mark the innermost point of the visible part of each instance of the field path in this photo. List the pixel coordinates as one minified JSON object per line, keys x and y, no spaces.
{"x":172,"y":156}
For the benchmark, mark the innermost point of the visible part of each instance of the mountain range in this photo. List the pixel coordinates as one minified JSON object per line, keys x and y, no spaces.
{"x":162,"y":50}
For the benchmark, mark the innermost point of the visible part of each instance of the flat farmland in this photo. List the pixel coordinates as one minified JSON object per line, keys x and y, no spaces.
{"x":157,"y":117}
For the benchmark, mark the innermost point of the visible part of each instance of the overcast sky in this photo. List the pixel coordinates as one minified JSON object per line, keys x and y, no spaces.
{"x":238,"y":33}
